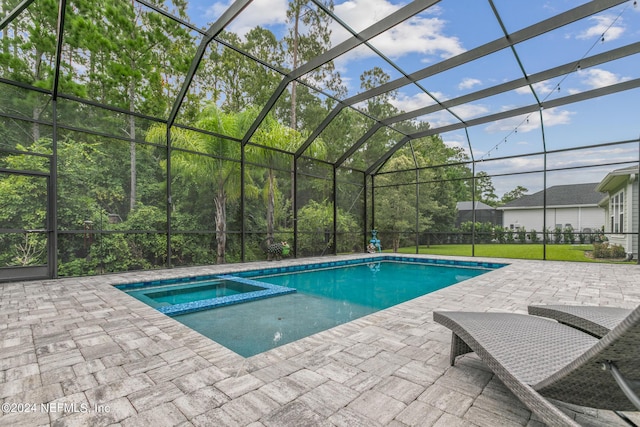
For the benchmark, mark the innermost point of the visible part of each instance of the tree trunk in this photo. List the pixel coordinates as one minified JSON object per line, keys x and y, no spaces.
{"x":35,"y":127}
{"x":132,"y":146}
{"x":293,"y":119}
{"x":221,"y":225}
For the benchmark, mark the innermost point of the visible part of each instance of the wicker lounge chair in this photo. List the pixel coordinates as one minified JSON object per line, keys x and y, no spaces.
{"x":597,"y":321}
{"x":536,"y":357}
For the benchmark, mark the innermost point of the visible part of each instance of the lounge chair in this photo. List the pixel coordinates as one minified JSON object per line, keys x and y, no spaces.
{"x":536,"y":357}
{"x":597,"y":321}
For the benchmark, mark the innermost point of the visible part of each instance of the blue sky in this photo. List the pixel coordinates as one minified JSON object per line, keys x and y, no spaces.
{"x":452,"y":27}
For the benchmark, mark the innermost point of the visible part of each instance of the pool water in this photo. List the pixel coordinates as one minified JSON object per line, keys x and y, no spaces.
{"x":324,"y":299}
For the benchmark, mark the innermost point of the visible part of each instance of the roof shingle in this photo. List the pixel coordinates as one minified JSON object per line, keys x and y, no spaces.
{"x":560,"y":195}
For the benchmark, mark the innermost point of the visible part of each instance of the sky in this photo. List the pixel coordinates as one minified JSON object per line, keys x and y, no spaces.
{"x":452,"y":27}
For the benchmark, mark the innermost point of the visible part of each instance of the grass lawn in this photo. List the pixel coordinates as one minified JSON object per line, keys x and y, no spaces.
{"x":526,"y":251}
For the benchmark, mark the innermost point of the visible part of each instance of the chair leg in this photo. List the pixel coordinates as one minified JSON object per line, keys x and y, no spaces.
{"x":458,"y":348}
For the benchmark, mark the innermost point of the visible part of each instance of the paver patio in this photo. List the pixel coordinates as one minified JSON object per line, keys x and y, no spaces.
{"x":77,"y":352}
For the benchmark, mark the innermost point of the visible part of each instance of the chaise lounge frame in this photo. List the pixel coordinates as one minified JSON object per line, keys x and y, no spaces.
{"x":594,"y":320}
{"x":536,"y":357}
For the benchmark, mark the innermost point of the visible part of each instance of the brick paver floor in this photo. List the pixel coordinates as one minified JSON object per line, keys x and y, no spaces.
{"x":78,"y":352}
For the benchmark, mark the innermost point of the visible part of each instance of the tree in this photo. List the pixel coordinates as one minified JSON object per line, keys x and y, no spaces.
{"x":215,"y":173}
{"x":28,"y":57}
{"x":316,"y":214}
{"x":380,"y":107}
{"x":514,"y":194}
{"x":397,"y":207}
{"x":485,"y":191}
{"x":131,"y":56}
{"x":304,"y":46}
{"x":242,"y":83}
{"x":276,"y":137}
{"x":23,"y":206}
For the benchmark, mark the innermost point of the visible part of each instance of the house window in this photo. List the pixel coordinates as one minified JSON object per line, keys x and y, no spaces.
{"x":616,"y":210}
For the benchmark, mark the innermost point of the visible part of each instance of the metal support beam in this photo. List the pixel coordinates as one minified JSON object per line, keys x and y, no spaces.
{"x":335,"y":210}
{"x":544,"y":189}
{"x":570,"y":99}
{"x":551,"y":73}
{"x":14,"y":13}
{"x":332,"y":115}
{"x":363,"y":36}
{"x":58,"y":54}
{"x":295,"y":207}
{"x":527,"y":33}
{"x":169,"y":206}
{"x":358,"y":144}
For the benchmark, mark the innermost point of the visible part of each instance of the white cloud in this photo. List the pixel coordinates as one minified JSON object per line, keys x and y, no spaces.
{"x":603,"y":24}
{"x":469,"y":111}
{"x":594,"y":157}
{"x":555,"y":116}
{"x":527,"y":123}
{"x":596,"y":78}
{"x":420,"y":34}
{"x":411,"y":103}
{"x":423,"y":34}
{"x":541,"y":88}
{"x":259,"y":12}
{"x":456,"y":142}
{"x":468,"y":83}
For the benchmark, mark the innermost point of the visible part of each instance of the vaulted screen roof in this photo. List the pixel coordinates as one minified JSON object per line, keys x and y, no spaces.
{"x":496,"y":78}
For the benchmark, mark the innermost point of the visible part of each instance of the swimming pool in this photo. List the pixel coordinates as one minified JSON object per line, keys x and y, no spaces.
{"x":319,"y":297}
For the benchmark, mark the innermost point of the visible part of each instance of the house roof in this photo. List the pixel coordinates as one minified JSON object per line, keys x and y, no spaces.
{"x":560,"y":195}
{"x":615,"y":178}
{"x":467,"y":206}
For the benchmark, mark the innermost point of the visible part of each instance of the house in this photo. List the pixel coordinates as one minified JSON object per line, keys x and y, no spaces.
{"x":484,"y":213}
{"x":574,"y":205}
{"x":621,"y":208}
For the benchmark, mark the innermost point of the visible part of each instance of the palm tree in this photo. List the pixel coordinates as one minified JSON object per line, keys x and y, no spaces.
{"x":275,"y":136}
{"x":214,"y":170}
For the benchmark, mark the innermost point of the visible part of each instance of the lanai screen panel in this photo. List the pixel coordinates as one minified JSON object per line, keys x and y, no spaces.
{"x":147,"y":96}
{"x":350,"y":202}
{"x":314,"y":208}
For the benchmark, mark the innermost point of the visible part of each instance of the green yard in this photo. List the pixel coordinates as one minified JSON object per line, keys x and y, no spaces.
{"x":528,"y":251}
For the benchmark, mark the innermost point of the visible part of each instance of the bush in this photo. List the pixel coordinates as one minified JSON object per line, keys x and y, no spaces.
{"x":533,"y":234}
{"x":569,"y":235}
{"x":582,"y":238}
{"x":548,"y":235}
{"x":605,"y":250}
{"x":522,"y":235}
{"x":617,"y":251}
{"x":557,"y":235}
{"x":510,"y":237}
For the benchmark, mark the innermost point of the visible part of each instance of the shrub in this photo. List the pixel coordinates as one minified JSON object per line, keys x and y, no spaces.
{"x":547,"y":235}
{"x":510,"y":238}
{"x":617,"y":251}
{"x":533,"y":234}
{"x":582,"y":238}
{"x":557,"y":235}
{"x":522,"y":235}
{"x":569,"y":235}
{"x":499,"y":234}
{"x":605,"y":250}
